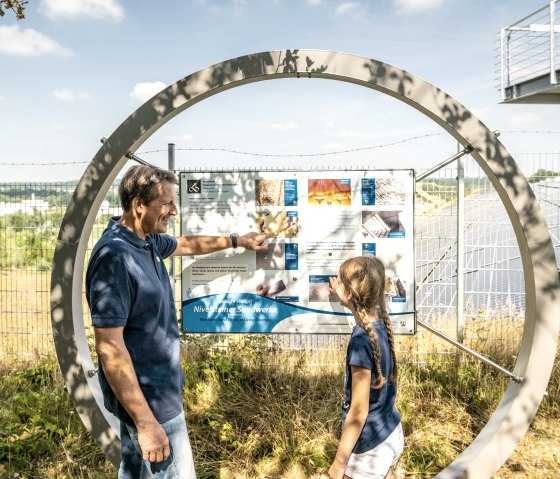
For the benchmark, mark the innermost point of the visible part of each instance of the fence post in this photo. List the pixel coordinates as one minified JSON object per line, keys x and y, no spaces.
{"x":460,"y":247}
{"x":502,"y":64}
{"x":171,"y":167}
{"x":553,"y":79}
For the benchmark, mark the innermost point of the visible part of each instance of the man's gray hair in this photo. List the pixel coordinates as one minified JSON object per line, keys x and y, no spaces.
{"x":142,"y":182}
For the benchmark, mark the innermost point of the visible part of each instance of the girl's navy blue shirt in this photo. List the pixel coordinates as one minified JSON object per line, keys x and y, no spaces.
{"x":383,"y":417}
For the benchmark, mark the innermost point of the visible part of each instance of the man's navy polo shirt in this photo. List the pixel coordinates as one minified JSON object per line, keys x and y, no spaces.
{"x":127,"y":285}
{"x":383,"y":417}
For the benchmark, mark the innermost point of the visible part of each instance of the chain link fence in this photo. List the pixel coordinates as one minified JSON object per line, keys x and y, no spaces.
{"x":493,"y":293}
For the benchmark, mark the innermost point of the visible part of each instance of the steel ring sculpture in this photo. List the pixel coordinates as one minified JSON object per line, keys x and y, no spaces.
{"x":509,"y":422}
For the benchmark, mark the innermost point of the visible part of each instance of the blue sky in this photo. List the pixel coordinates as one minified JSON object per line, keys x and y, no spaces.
{"x":73,"y":70}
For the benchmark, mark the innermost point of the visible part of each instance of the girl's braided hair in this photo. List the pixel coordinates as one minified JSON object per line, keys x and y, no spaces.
{"x":364,"y":277}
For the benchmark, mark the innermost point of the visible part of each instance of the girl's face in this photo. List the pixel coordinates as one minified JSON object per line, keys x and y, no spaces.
{"x":337,"y":287}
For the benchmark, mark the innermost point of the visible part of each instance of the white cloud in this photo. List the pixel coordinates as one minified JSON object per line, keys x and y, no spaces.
{"x":219,"y":7}
{"x":524,"y":119}
{"x":348,"y":8}
{"x":290,"y":125}
{"x":413,"y":6}
{"x":65,"y":94}
{"x":144,"y":91}
{"x":28,"y":42}
{"x":72,"y":9}
{"x":332,"y":146}
{"x":183,"y":137}
{"x":348,"y":134}
{"x":480,"y":112}
{"x":315,"y":2}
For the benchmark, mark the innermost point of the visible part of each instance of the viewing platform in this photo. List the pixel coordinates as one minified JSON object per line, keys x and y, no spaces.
{"x":529,"y":58}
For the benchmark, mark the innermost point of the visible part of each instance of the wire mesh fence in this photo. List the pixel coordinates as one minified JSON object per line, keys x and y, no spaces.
{"x":493,"y":294}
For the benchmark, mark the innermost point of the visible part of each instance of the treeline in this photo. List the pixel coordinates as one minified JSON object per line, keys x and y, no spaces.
{"x":447,"y":187}
{"x":57,"y":194}
{"x":542,"y":174}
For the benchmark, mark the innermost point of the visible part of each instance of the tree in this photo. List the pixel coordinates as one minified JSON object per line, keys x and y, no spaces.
{"x":17,"y":6}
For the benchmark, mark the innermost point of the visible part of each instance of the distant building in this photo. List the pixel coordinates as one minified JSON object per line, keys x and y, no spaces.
{"x":28,"y":207}
{"x":106,"y":209}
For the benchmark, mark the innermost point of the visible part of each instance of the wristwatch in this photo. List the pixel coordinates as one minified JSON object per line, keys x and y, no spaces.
{"x":233,"y":238}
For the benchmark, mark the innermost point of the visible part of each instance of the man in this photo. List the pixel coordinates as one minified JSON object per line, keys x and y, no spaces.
{"x":135,"y":324}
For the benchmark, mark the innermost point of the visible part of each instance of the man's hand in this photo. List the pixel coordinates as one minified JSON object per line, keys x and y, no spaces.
{"x":153,"y":442}
{"x":254,"y":241}
{"x":119,"y":371}
{"x":275,"y":225}
{"x":262,"y":290}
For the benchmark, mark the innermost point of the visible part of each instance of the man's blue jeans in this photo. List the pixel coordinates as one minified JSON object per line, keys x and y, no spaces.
{"x":179,"y":465}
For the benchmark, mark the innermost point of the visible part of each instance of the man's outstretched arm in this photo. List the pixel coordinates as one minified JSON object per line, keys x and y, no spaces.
{"x":194,"y":245}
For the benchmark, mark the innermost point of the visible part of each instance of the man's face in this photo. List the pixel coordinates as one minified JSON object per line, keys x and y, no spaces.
{"x":156,"y":215}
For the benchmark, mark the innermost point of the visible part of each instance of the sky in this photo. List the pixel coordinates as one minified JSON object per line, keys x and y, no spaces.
{"x":73,"y":70}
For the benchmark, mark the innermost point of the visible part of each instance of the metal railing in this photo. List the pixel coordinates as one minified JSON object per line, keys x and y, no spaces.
{"x":528,"y":50}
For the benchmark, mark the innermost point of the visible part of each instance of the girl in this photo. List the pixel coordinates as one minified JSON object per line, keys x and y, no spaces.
{"x":372,"y":437}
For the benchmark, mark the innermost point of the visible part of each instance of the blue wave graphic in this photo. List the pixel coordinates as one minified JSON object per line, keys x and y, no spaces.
{"x":241,"y":313}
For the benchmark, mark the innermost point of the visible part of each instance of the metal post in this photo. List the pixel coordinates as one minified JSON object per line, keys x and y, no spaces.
{"x":553,"y":79}
{"x":443,"y":164}
{"x":508,"y":61}
{"x":132,"y":156}
{"x":171,"y":167}
{"x":502,"y":66}
{"x":460,"y":247}
{"x":516,"y":377}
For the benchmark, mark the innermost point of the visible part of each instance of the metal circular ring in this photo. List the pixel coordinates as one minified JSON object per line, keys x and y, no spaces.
{"x":490,"y":449}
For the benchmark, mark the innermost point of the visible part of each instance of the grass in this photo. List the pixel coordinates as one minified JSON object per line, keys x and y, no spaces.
{"x":257,"y":412}
{"x":24,"y":311}
{"x":41,"y":436}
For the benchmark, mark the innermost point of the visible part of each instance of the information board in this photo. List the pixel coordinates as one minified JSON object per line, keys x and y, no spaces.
{"x":321,"y":218}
